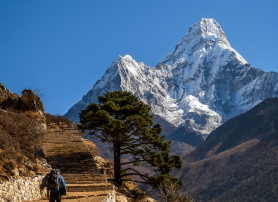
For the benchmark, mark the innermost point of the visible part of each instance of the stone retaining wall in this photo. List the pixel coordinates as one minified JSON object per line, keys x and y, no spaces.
{"x":23,"y":188}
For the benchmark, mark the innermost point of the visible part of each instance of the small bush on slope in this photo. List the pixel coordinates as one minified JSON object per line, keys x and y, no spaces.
{"x":59,"y":118}
{"x":19,"y":138}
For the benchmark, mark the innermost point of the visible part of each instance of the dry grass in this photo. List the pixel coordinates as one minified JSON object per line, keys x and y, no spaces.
{"x":23,"y":130}
{"x":38,"y":169}
{"x":204,"y":170}
{"x":1,"y":171}
{"x":8,"y":166}
{"x":59,"y":118}
{"x":92,"y":147}
{"x":19,"y":136}
{"x":35,"y":116}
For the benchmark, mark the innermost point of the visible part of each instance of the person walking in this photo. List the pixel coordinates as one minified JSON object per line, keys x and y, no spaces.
{"x":56,"y":183}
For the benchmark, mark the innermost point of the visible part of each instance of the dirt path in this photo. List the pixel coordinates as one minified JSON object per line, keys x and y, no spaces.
{"x":96,"y":196}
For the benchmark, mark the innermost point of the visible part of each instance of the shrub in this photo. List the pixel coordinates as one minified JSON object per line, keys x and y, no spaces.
{"x":9,"y":148}
{"x":9,"y":165}
{"x":92,"y":147}
{"x":59,"y":118}
{"x":22,"y":133}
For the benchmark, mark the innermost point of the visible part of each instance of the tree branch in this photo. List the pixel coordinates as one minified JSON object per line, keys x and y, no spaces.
{"x":132,"y":162}
{"x":137,"y":173}
{"x":135,"y":181}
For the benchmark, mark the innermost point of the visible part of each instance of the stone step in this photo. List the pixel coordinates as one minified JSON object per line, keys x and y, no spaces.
{"x":62,"y":140}
{"x":77,"y":170}
{"x":80,"y":171}
{"x":74,"y":162}
{"x":96,"y":196}
{"x":84,"y":178}
{"x":74,"y":167}
{"x":90,"y":168}
{"x":68,"y":153}
{"x":72,"y":153}
{"x":85,"y":182}
{"x":81,"y":164}
{"x":88,"y":175}
{"x":89,"y":187}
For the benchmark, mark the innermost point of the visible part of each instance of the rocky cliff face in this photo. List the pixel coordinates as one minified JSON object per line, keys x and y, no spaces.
{"x":29,"y":101}
{"x":201,"y":84}
{"x":5,"y":93}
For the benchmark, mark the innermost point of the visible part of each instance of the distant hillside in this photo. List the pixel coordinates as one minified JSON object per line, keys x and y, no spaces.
{"x":239,"y":160}
{"x":250,"y":176}
{"x":257,"y":123}
{"x":186,"y":135}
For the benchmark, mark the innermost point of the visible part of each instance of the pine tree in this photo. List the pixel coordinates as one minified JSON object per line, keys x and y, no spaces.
{"x":124,"y":122}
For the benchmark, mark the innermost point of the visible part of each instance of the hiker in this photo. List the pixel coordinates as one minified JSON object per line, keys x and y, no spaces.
{"x":56,"y":186}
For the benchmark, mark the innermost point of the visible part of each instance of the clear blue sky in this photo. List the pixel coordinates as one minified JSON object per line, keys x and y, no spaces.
{"x":63,"y":47}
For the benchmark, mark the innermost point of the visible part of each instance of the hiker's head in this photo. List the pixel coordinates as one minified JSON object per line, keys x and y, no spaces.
{"x":55,"y":172}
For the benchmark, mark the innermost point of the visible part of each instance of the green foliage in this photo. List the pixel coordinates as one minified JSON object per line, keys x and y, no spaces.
{"x":122,"y":120}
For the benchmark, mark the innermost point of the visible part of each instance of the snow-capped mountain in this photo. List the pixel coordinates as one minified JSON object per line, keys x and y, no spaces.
{"x":201,"y":84}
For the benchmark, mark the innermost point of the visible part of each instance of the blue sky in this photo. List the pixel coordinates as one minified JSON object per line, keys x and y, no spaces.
{"x":63,"y":47}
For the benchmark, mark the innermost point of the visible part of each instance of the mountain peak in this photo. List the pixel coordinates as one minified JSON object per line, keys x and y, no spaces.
{"x":203,"y":38}
{"x":128,"y":57}
{"x":117,"y":59}
{"x":200,"y":85}
{"x":205,"y":30}
{"x":212,"y":30}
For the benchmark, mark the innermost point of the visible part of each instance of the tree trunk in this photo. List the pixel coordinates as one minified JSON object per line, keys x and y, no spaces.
{"x":117,"y":162}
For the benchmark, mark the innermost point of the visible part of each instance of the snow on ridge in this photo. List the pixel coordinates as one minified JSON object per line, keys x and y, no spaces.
{"x":201,"y":41}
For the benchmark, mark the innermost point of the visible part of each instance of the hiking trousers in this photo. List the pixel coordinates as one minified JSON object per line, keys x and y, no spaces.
{"x":55,"y":196}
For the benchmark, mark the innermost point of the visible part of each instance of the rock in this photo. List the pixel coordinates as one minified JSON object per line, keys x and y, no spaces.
{"x":121,"y":199}
{"x":42,"y":162}
{"x":23,"y":171}
{"x":27,"y":163}
{"x":149,"y":200}
{"x":4,"y":176}
{"x":5,"y":93}
{"x":27,"y":102}
{"x":31,"y":101}
{"x":15,"y":172}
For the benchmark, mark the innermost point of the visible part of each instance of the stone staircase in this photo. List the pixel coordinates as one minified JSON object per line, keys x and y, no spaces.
{"x":65,"y":150}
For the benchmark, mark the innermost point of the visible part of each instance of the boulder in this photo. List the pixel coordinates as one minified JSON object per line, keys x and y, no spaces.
{"x":29,"y":101}
{"x":5,"y":93}
{"x":121,"y":199}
